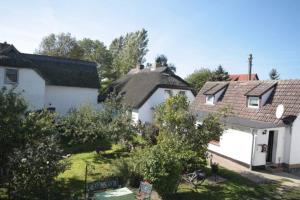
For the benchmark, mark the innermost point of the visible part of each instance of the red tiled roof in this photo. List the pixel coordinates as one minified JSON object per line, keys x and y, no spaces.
{"x":242,"y":77}
{"x":286,"y":92}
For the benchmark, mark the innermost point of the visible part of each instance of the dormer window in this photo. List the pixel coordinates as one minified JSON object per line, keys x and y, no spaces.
{"x":253,"y":102}
{"x":210,"y":99}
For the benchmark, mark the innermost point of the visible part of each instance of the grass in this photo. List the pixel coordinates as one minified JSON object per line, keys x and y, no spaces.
{"x":236,"y":187}
{"x":71,"y":182}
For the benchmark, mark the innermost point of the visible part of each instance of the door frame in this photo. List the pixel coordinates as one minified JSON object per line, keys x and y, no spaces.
{"x":269,"y":157}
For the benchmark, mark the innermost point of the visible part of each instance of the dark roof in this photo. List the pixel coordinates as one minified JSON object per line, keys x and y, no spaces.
{"x":137,"y":87}
{"x":55,"y":70}
{"x":242,"y":77}
{"x":216,"y":88}
{"x":286,"y":92}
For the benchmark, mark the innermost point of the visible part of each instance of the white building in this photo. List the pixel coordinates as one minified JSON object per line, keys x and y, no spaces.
{"x":144,"y":89}
{"x":48,"y":82}
{"x":254,"y":136}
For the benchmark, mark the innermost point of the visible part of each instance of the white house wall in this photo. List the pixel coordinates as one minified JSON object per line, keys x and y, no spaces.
{"x":145,"y":112}
{"x":64,"y":98}
{"x":295,"y":143}
{"x":235,"y":144}
{"x":30,"y":84}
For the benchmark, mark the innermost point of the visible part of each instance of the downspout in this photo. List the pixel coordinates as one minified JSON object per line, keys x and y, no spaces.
{"x":252,"y":147}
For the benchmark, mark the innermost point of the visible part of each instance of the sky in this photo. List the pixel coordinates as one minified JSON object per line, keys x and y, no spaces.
{"x":192,"y":33}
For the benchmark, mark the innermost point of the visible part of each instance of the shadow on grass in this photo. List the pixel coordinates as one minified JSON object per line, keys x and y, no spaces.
{"x":236,"y":187}
{"x":109,"y":157}
{"x":68,"y":189}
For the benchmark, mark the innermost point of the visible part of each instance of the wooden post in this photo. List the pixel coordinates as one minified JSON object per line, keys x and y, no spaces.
{"x":85,"y":182}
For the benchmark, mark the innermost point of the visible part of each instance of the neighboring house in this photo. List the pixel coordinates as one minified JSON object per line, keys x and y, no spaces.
{"x":144,"y":89}
{"x":48,"y":82}
{"x":243,"y":77}
{"x":254,"y":136}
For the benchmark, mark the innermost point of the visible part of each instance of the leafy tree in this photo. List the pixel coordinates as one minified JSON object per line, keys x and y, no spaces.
{"x":96,"y":51}
{"x":128,"y":51}
{"x":198,"y":78}
{"x":62,"y":44}
{"x":274,"y":75}
{"x":12,"y":109}
{"x":220,"y":74}
{"x":162,"y":61}
{"x":33,"y":169}
{"x":175,"y":121}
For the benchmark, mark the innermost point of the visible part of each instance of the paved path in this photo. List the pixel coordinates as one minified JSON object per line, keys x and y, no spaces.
{"x":287,"y":179}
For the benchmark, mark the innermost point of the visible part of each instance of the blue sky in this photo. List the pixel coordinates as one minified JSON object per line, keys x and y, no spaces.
{"x":192,"y":33}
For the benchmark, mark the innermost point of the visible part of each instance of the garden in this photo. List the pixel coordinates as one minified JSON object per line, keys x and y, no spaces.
{"x":46,"y":156}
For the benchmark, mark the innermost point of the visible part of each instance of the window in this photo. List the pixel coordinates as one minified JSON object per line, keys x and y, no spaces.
{"x":253,"y":102}
{"x":168,"y":93}
{"x":11,"y":76}
{"x":210,"y":99}
{"x":182,"y":93}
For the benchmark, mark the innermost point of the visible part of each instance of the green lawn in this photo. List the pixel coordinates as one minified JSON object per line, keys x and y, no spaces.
{"x":236,"y":186}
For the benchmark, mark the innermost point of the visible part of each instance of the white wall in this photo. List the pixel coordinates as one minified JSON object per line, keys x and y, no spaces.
{"x":64,"y":98}
{"x":235,"y":144}
{"x":145,"y":112}
{"x":295,"y":143}
{"x":30,"y":84}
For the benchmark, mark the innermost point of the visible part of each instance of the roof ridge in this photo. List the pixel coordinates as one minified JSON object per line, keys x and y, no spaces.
{"x":60,"y":58}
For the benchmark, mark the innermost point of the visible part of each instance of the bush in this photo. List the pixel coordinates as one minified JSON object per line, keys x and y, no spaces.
{"x":34,"y":167}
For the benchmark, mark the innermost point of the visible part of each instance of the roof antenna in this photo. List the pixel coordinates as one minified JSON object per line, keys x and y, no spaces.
{"x":250,"y":67}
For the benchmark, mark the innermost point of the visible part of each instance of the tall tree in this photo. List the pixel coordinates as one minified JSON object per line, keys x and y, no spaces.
{"x":62,"y":44}
{"x":198,"y":78}
{"x":128,"y":51}
{"x":96,"y":51}
{"x":162,"y":60}
{"x":274,"y":75}
{"x":220,"y":74}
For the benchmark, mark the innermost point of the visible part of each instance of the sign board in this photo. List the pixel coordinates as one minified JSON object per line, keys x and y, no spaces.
{"x":102,"y":185}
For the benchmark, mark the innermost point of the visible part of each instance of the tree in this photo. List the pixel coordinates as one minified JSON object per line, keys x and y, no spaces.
{"x":128,"y":51}
{"x":162,"y":61}
{"x":96,"y":51}
{"x":220,"y":74}
{"x":199,"y":77}
{"x":62,"y":44}
{"x":12,"y":109}
{"x":274,"y":75}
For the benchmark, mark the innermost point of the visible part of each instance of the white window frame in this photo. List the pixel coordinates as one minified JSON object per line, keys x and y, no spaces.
{"x":6,"y":80}
{"x":210,"y":99}
{"x":253,"y":106}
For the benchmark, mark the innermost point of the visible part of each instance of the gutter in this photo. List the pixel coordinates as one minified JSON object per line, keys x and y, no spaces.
{"x":252,"y":150}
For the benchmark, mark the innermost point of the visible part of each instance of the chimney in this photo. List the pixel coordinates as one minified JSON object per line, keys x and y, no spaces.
{"x":250,"y":67}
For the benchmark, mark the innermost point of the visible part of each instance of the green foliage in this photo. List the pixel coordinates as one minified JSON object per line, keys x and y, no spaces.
{"x":34,"y":168}
{"x":159,"y":167}
{"x":220,"y":74}
{"x":80,"y":126}
{"x":12,"y":109}
{"x":179,"y":132}
{"x":162,"y":61}
{"x":274,"y":75}
{"x":199,"y":77}
{"x":62,"y":44}
{"x":128,"y":51}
